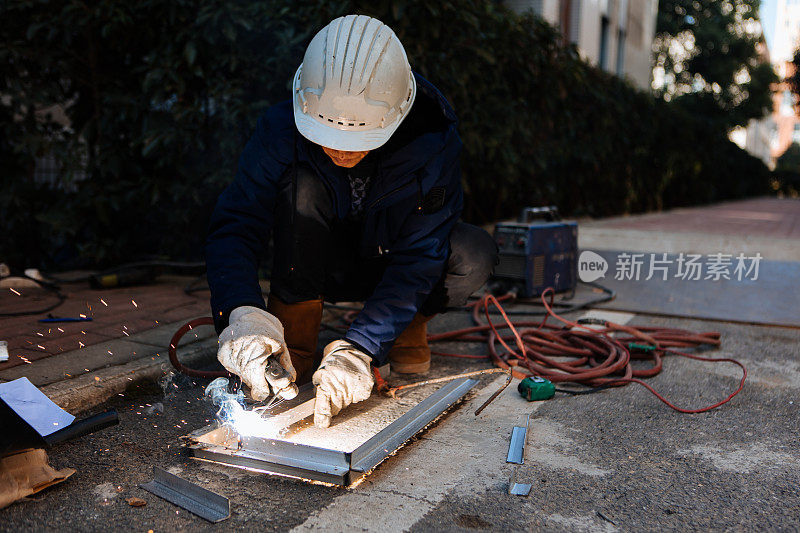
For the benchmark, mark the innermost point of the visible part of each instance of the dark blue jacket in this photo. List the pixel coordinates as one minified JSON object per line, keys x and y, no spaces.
{"x":404,"y":218}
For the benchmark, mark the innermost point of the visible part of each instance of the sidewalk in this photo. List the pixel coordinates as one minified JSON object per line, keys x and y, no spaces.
{"x":769,"y":226}
{"x":765,"y":227}
{"x":81,"y":364}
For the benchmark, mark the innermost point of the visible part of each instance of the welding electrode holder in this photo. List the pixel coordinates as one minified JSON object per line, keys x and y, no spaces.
{"x":276,"y":371}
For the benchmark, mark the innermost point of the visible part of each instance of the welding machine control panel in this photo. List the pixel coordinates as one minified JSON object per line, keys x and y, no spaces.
{"x":536,"y":254}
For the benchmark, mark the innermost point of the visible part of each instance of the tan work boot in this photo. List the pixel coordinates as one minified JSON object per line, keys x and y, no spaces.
{"x":300,"y":330}
{"x":410,"y":353}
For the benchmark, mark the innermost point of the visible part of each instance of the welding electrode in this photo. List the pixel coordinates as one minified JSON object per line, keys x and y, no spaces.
{"x":276,"y":371}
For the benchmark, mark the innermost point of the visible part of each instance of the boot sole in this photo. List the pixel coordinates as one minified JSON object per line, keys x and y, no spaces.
{"x":410,"y":368}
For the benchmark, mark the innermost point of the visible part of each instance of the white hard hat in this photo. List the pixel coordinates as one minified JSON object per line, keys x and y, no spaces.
{"x":354,"y":87}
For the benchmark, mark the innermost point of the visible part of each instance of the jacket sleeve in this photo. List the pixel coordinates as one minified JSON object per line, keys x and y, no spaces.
{"x":417,"y":261}
{"x":241,"y":223}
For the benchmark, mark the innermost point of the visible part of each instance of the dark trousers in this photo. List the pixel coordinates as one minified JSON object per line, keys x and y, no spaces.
{"x":317,"y":255}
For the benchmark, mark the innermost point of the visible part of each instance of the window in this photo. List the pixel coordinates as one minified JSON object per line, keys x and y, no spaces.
{"x":604,"y":29}
{"x":621,"y":53}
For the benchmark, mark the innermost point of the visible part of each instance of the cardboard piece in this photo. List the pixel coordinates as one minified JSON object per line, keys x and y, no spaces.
{"x":27,"y":472}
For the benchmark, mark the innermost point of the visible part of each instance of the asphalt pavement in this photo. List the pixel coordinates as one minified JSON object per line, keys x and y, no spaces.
{"x":615,"y":460}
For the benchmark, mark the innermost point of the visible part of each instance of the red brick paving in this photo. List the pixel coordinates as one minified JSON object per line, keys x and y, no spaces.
{"x":163,"y":302}
{"x":768,"y":217}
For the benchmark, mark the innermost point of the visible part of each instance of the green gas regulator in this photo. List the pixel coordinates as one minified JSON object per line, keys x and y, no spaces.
{"x":535,"y":388}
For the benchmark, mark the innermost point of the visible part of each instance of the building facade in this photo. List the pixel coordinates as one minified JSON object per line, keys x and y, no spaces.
{"x":786,"y":40}
{"x":616,"y":35}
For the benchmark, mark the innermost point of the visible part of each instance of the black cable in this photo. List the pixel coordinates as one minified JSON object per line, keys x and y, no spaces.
{"x":50,"y":287}
{"x":167,"y":264}
{"x":567,"y":308}
{"x":193,"y":286}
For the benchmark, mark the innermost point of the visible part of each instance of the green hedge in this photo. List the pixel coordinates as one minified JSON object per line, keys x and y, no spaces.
{"x":162,"y":95}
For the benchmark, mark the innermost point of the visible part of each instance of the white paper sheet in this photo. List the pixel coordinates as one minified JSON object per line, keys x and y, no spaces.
{"x":34,"y":407}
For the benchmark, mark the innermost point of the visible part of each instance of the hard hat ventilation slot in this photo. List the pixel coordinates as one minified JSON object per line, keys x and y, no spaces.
{"x":323,"y":117}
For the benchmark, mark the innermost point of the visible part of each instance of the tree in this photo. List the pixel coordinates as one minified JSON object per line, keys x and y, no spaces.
{"x":709,"y":58}
{"x":160,"y":97}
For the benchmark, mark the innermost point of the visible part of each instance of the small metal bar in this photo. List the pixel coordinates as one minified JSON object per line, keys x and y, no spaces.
{"x":193,"y":498}
{"x":516,"y":448}
{"x":520,"y":489}
{"x":389,"y":439}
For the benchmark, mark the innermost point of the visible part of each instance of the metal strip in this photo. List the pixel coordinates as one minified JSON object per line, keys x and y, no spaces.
{"x":271,"y":455}
{"x":193,"y":498}
{"x":316,"y":472}
{"x":520,"y":489}
{"x":516,"y":448}
{"x":389,"y":439}
{"x":294,"y":454}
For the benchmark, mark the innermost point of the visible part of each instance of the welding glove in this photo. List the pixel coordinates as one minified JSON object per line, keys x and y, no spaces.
{"x":344,"y":377}
{"x":245,"y":346}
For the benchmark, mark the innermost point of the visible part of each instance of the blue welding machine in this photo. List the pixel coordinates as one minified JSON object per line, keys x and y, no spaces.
{"x":536,"y":252}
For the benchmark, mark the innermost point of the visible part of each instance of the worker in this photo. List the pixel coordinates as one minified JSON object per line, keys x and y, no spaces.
{"x":357,"y":179}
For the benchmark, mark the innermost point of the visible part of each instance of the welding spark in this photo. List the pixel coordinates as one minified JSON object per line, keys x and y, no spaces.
{"x":61,"y":330}
{"x":81,"y":344}
{"x":125,"y":333}
{"x":103,"y":302}
{"x":24,"y":359}
{"x":234,"y":414}
{"x":40,"y":346}
{"x":134,"y":303}
{"x":82,"y":316}
{"x":14,"y":291}
{"x":39,"y":334}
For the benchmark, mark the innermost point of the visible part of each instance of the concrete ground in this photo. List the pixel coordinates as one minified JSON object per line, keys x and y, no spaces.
{"x":614,"y":460}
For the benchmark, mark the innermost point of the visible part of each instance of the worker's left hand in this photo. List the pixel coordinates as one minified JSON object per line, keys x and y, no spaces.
{"x":344,"y":377}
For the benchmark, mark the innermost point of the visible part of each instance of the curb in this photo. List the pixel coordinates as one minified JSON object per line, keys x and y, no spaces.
{"x":90,"y":390}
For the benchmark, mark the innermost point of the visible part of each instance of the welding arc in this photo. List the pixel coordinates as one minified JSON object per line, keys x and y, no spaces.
{"x":596,"y":357}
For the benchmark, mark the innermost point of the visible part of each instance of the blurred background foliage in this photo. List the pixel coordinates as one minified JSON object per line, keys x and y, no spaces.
{"x":160,"y":97}
{"x":711,"y":59}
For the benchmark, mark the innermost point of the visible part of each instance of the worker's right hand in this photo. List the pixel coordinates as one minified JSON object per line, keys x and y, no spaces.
{"x":251,"y":338}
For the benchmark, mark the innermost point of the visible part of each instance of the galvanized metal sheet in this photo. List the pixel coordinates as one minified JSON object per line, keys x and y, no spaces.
{"x":309,"y":462}
{"x":193,"y":498}
{"x":388,"y":440}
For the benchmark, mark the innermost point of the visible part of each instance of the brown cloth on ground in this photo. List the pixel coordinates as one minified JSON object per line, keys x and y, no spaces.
{"x":27,"y":472}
